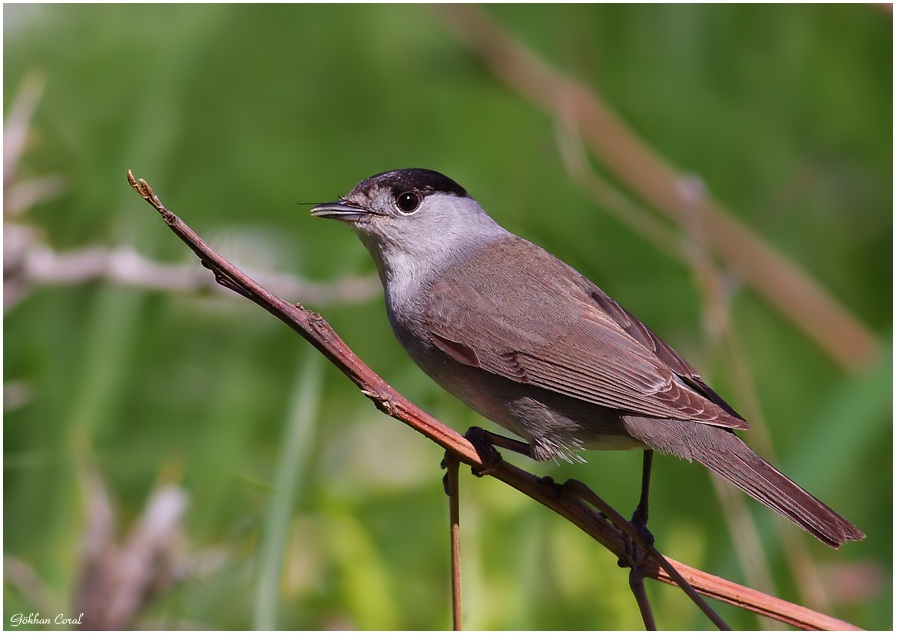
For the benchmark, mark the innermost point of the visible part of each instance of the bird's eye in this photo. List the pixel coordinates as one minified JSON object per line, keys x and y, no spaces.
{"x":408,"y":202}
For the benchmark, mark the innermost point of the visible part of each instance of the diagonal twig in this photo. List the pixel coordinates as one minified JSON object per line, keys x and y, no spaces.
{"x":316,"y":331}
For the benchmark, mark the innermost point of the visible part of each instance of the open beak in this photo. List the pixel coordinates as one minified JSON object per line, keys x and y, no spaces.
{"x":339,"y":210}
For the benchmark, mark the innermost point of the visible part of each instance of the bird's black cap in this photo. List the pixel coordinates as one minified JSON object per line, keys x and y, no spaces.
{"x":419,"y":179}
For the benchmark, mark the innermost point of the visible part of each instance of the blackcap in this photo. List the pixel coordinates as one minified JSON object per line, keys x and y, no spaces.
{"x":531,"y":344}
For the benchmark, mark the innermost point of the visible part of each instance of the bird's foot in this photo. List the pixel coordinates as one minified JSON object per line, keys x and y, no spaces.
{"x":483,"y":443}
{"x":636,"y":556}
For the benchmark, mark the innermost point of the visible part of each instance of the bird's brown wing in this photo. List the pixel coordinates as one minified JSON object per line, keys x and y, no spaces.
{"x":544,"y":324}
{"x":646,"y":337}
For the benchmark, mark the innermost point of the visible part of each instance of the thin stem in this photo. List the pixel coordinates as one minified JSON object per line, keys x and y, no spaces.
{"x":637,"y":585}
{"x":451,"y":464}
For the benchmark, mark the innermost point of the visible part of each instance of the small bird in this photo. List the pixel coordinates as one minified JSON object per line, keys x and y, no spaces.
{"x":533,"y":345}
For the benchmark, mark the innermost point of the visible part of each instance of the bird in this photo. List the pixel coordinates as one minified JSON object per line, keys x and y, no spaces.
{"x":533,"y":345}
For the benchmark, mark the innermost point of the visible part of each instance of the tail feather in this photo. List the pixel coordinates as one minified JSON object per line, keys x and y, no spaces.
{"x":721,"y":451}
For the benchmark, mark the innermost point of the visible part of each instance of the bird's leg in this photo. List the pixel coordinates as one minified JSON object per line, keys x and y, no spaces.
{"x":639,"y":518}
{"x":635,"y":557}
{"x":485,"y":443}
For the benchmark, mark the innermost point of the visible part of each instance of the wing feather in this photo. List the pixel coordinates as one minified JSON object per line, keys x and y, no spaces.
{"x":588,"y":348}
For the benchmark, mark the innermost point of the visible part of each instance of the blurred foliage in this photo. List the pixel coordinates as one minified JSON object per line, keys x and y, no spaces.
{"x":236,"y":113}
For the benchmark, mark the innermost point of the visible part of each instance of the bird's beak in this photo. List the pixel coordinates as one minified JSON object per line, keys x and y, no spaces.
{"x":339,"y":210}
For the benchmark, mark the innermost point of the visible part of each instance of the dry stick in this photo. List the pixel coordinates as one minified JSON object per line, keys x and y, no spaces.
{"x":319,"y":334}
{"x":451,"y":464}
{"x":785,"y":286}
{"x":580,"y":490}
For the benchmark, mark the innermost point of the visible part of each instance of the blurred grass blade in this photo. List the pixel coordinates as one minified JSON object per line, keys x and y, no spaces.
{"x":291,"y":468}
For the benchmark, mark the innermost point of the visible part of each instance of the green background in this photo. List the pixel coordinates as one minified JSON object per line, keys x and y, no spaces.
{"x":235,"y":114}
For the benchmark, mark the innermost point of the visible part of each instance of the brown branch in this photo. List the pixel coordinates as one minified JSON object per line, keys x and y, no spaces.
{"x":567,"y":500}
{"x":672,"y":193}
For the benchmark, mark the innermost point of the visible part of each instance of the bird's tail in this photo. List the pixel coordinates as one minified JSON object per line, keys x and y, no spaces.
{"x":720,"y":450}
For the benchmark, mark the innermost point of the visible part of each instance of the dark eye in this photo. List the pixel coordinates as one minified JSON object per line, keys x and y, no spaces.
{"x":407,"y":202}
